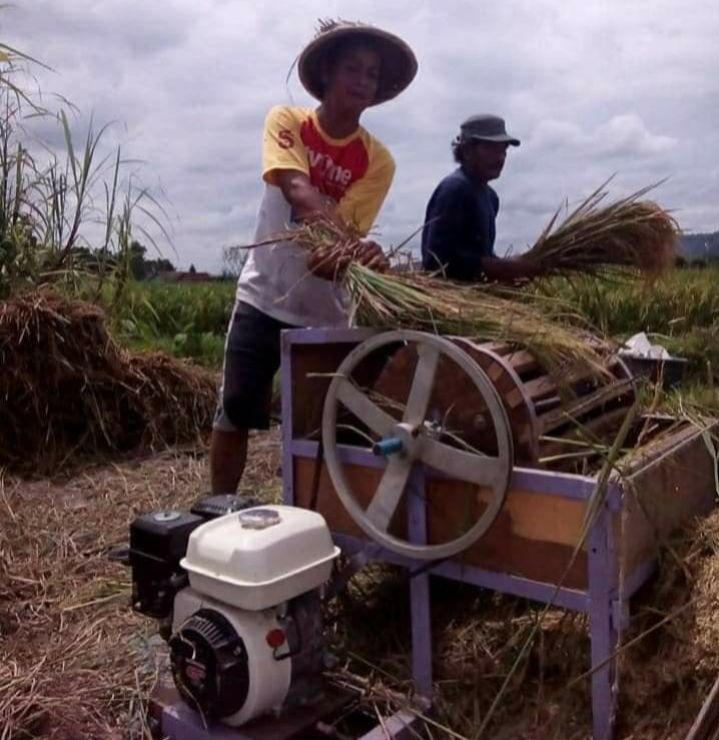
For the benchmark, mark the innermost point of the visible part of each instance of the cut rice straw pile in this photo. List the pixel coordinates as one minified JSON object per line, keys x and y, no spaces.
{"x":69,"y":392}
{"x":414,"y":300}
{"x":629,"y":233}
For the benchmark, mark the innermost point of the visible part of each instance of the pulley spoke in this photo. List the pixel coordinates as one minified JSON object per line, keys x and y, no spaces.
{"x":366,"y":410}
{"x":422,"y":384}
{"x":468,"y":466}
{"x":389,"y":492}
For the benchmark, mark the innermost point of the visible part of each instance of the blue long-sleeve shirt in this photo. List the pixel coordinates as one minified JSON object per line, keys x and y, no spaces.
{"x":459,"y":227}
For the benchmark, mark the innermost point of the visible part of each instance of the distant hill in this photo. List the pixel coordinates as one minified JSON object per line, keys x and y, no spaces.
{"x":700,"y":246}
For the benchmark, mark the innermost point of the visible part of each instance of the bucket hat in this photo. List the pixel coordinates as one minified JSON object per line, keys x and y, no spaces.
{"x":485,"y":127}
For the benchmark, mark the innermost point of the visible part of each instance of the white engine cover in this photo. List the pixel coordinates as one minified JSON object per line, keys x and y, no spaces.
{"x":269,"y":678}
{"x":260,"y":557}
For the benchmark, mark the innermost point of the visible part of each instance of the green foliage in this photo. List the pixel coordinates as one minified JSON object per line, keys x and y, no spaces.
{"x":20,"y":254}
{"x":680,"y":311}
{"x":684,"y":300}
{"x":177,"y":307}
{"x":50,"y":203}
{"x":184,"y":319}
{"x":142,"y":268}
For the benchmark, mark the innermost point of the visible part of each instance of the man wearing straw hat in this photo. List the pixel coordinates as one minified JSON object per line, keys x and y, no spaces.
{"x":459,"y":232}
{"x":315,"y":163}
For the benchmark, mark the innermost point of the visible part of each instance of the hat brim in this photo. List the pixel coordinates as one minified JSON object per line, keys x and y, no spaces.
{"x":398,"y":66}
{"x":499,"y":138}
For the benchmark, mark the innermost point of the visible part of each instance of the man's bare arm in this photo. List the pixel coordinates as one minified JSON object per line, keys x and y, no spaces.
{"x":302,"y":195}
{"x":307,"y":202}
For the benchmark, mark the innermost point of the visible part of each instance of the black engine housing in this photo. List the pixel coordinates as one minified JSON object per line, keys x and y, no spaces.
{"x":158,"y":541}
{"x":209,"y":664}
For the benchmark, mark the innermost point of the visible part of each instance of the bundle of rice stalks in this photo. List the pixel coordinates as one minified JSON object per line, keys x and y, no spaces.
{"x":629,"y":233}
{"x":414,"y":300}
{"x":67,"y":390}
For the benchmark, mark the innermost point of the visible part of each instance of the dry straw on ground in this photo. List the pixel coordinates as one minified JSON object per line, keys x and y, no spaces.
{"x":76,"y":663}
{"x":664,"y":675}
{"x":68,"y":390}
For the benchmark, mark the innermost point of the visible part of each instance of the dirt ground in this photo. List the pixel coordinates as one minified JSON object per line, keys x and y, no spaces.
{"x":75,"y":662}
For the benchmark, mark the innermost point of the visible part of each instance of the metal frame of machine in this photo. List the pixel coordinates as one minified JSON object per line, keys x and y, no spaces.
{"x":181,"y":723}
{"x":605,"y":600}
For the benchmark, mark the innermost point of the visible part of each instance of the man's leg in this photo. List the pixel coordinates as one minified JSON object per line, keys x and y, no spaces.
{"x":252,"y":357}
{"x":228,"y":455}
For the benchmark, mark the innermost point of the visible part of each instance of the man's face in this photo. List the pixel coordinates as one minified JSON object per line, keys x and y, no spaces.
{"x":484,"y":160}
{"x":353,"y":80}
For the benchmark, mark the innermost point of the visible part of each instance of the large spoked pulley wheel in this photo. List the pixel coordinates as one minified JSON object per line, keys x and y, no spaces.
{"x":414,"y":440}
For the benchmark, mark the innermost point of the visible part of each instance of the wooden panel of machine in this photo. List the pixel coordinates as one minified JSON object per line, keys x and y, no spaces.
{"x":534,"y":535}
{"x":668,"y":484}
{"x":363,"y":482}
{"x":312,"y":371}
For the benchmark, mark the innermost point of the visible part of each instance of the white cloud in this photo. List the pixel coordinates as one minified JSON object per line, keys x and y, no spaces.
{"x":591,"y":89}
{"x":624,"y":135}
{"x":558,"y":134}
{"x":627,"y":135}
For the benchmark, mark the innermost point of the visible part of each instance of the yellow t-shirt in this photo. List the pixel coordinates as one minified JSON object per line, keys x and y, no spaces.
{"x":355,"y":172}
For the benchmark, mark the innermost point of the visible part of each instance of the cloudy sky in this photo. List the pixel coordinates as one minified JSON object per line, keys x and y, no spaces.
{"x":591,"y":88}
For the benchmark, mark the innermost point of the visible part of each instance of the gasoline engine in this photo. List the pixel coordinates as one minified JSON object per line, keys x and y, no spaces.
{"x":237,"y":590}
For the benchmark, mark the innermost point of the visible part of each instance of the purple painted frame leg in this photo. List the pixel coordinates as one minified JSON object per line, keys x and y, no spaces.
{"x":602,"y":634}
{"x":419,"y":589}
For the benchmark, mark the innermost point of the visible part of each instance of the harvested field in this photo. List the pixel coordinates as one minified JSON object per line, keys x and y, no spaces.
{"x":665,"y":671}
{"x":75,"y":662}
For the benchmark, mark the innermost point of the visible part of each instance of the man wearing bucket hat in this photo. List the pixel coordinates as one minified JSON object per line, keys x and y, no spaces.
{"x":315,"y":162}
{"x":459,"y":232}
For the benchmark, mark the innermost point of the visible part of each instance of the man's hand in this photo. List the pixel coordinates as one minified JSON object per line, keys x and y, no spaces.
{"x":510,"y":270}
{"x":329,"y":264}
{"x":370,"y":255}
{"x":308,"y":203}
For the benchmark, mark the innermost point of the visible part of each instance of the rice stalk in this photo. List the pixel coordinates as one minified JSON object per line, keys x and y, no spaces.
{"x":426,"y":302}
{"x":628,"y":233}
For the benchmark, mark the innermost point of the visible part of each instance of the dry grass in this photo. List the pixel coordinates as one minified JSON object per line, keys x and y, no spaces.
{"x":69,"y":392}
{"x":628,"y":233}
{"x":75,"y":662}
{"x":664,"y":675}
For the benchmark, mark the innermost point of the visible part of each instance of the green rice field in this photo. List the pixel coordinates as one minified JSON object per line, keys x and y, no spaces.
{"x":680,"y":311}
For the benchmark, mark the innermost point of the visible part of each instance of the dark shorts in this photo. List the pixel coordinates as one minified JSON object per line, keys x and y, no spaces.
{"x":252,"y":358}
